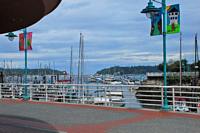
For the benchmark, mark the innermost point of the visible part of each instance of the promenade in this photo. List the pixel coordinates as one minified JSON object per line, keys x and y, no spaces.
{"x":18,"y":116}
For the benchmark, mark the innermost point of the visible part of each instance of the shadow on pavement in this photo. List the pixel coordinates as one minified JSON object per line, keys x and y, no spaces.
{"x":17,"y":124}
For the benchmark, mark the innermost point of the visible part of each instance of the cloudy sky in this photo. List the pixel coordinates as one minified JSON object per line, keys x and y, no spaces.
{"x":115,"y":32}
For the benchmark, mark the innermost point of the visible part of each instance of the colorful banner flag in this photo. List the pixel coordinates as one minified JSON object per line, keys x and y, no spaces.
{"x":156,"y":24}
{"x":21,"y":42}
{"x":173,"y":19}
{"x":29,"y":41}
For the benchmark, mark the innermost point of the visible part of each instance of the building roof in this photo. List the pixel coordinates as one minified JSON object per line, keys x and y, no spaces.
{"x":18,"y":14}
{"x":173,"y":10}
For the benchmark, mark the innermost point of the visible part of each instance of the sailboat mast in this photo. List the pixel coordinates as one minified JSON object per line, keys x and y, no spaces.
{"x":180,"y":58}
{"x":79,"y":60}
{"x":197,"y":55}
{"x":53,"y":68}
{"x":38,"y":67}
{"x":82,"y":60}
{"x":71,"y":66}
{"x":196,"y":67}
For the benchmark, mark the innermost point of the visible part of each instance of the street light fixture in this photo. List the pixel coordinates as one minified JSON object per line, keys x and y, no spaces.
{"x":150,"y":11}
{"x":11,"y":36}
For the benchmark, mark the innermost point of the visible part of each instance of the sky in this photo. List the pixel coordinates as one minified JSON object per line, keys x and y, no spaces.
{"x":115,"y":34}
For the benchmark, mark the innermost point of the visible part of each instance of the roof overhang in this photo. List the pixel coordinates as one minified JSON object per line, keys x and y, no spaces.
{"x":18,"y":14}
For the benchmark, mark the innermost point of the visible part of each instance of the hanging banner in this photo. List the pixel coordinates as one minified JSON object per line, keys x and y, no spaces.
{"x":21,"y":42}
{"x":173,"y":19}
{"x":29,"y":41}
{"x":156,"y":24}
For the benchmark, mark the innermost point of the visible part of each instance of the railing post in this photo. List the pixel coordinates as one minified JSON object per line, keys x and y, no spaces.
{"x":83,"y":95}
{"x":31,"y":97}
{"x":0,"y":91}
{"x":70,"y":90}
{"x":46,"y":93}
{"x":105,"y":90}
{"x":162,"y":96}
{"x":67,"y":93}
{"x":63,"y":92}
{"x":12,"y":90}
{"x":78,"y":95}
{"x":173,"y":98}
{"x":109,"y":97}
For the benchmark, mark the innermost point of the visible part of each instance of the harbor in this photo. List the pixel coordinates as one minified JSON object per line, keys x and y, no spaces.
{"x":127,"y":91}
{"x":98,"y":67}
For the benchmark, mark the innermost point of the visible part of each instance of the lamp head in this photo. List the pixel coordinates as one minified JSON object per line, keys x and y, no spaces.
{"x":11,"y":36}
{"x":150,"y":10}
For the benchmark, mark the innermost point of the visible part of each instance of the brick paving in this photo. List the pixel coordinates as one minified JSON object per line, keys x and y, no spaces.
{"x":40,"y":117}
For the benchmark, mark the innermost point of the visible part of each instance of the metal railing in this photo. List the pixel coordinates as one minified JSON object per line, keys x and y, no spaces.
{"x":184,"y":98}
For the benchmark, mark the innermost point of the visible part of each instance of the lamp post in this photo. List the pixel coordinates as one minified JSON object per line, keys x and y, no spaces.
{"x":11,"y":37}
{"x":26,"y":97}
{"x":150,"y":11}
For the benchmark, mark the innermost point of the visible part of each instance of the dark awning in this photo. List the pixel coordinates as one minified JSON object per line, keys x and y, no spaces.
{"x":18,"y":14}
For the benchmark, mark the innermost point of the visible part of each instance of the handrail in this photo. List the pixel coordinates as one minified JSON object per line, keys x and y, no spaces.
{"x":144,"y":96}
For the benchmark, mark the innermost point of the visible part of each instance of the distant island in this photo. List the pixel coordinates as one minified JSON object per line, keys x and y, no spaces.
{"x":172,"y":66}
{"x":117,"y":70}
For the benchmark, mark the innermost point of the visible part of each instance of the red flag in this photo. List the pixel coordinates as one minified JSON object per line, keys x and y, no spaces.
{"x":29,"y":41}
{"x":21,"y":42}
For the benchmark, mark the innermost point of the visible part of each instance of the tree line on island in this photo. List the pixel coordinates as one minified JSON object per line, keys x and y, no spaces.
{"x":117,"y":70}
{"x":42,"y":71}
{"x":172,"y":66}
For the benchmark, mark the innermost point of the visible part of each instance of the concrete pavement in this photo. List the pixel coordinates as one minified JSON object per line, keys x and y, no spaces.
{"x":39,"y":117}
